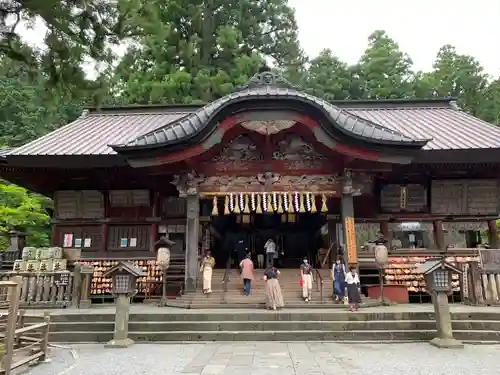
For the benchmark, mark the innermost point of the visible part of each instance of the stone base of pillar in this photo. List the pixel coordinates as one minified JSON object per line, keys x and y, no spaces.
{"x":123,"y":343}
{"x":190,"y":286}
{"x":446,"y":343}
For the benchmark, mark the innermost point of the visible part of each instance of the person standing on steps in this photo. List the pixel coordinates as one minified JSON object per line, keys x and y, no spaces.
{"x":270,"y":247}
{"x":338,"y":277}
{"x":207,"y":266}
{"x":306,"y":279}
{"x":274,"y":297}
{"x":260,"y":259}
{"x":353,"y":292}
{"x":246,"y":266}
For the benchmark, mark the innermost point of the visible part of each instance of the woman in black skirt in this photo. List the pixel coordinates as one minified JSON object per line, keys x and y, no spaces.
{"x":353,"y":294}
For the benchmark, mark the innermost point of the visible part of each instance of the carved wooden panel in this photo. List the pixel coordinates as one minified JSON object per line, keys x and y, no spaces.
{"x":66,"y":204}
{"x":129,"y":237}
{"x":447,"y":197}
{"x":391,"y":199}
{"x":71,"y":204}
{"x":129,"y":198}
{"x":482,"y":197}
{"x":88,"y":238}
{"x":473,"y":197}
{"x":173,"y":207}
{"x":92,"y":204}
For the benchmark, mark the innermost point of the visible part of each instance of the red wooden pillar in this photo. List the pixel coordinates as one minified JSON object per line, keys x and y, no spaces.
{"x":439,"y":235}
{"x":104,"y":225}
{"x":384,"y":229}
{"x":54,"y":240}
{"x":493,"y":234}
{"x":155,"y":213}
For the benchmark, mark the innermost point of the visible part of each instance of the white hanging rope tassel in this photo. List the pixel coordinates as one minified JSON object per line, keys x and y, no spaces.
{"x":252,"y":202}
{"x":231,"y":202}
{"x":241,"y":202}
{"x":308,"y":202}
{"x":296,"y":202}
{"x":285,"y":202}
{"x":264,"y":202}
{"x":275,"y":202}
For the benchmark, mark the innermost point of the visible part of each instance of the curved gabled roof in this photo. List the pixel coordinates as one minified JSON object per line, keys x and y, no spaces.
{"x":269,"y":87}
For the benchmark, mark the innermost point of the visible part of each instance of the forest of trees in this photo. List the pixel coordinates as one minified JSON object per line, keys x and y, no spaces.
{"x":192,"y":51}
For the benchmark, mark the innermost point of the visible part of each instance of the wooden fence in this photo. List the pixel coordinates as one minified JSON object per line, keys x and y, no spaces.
{"x":44,"y":289}
{"x":23,"y":344}
{"x":480,"y":287}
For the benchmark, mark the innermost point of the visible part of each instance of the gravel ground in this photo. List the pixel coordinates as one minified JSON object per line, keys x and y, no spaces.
{"x":270,"y":358}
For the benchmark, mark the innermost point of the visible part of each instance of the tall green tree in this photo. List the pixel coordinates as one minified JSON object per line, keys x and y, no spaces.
{"x":489,"y":105}
{"x":24,"y":211}
{"x":328,"y":77}
{"x":459,"y":76}
{"x":192,"y":51}
{"x":28,"y":109}
{"x":384,"y":70}
{"x":73,"y":32}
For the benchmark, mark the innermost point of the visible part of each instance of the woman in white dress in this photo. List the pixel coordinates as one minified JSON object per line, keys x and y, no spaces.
{"x":207,"y":266}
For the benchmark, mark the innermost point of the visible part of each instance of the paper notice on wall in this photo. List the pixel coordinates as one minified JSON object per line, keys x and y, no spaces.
{"x":123,"y":242}
{"x":68,"y":240}
{"x":87,"y":242}
{"x":78,"y":242}
{"x":133,"y":242}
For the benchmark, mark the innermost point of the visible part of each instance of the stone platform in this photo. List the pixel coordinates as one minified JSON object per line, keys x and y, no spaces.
{"x":405,"y":323}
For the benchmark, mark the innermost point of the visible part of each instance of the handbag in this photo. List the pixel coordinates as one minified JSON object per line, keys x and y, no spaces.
{"x":301,"y":282}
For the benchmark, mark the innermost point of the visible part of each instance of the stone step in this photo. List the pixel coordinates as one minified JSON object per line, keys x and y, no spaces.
{"x":293,"y":335}
{"x":380,"y":325}
{"x":160,"y":315}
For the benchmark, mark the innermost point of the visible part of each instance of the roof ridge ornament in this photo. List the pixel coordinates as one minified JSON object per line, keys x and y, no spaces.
{"x":266,"y":77}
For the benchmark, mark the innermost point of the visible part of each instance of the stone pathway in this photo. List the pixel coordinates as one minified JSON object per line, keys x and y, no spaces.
{"x":271,"y":358}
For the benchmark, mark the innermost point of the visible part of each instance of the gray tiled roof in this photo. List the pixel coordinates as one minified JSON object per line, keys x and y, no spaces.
{"x":91,"y":134}
{"x":448,"y":127}
{"x":267,"y":86}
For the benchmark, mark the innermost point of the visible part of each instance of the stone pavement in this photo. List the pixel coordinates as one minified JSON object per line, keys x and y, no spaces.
{"x":271,"y":358}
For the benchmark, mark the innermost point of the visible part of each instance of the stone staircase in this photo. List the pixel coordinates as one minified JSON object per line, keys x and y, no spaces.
{"x":371,"y":325}
{"x":234,"y":297}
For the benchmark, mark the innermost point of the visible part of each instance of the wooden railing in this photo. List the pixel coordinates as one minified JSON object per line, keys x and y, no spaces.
{"x":479,"y":287}
{"x":319,"y":284}
{"x":23,"y":343}
{"x":44,"y":289}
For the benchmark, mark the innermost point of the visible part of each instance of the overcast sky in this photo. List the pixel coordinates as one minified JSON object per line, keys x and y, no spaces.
{"x":420,"y":27}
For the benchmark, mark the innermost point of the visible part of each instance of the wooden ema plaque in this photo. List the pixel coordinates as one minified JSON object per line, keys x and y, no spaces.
{"x":350,"y":237}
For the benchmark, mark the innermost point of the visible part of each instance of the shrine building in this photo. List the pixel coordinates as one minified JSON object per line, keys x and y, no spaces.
{"x":268,"y":161}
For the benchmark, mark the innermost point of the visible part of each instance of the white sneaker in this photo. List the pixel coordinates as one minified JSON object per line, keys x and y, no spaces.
{"x":307,"y":300}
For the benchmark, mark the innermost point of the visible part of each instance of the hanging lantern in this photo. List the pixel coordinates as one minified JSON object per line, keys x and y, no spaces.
{"x":313,"y":204}
{"x":215,"y":209}
{"x":381,"y":255}
{"x":226,"y":206}
{"x":324,"y":207}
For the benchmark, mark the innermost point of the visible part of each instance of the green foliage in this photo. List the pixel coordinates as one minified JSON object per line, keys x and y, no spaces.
{"x":197,"y":51}
{"x":24,"y":211}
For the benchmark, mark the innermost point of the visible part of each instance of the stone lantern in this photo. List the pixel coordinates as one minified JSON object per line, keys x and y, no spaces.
{"x":163,"y":261}
{"x":124,"y":276}
{"x":381,"y":259}
{"x":437,"y":275}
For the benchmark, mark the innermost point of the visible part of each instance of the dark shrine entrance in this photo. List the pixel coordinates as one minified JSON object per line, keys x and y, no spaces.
{"x":296,"y":235}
